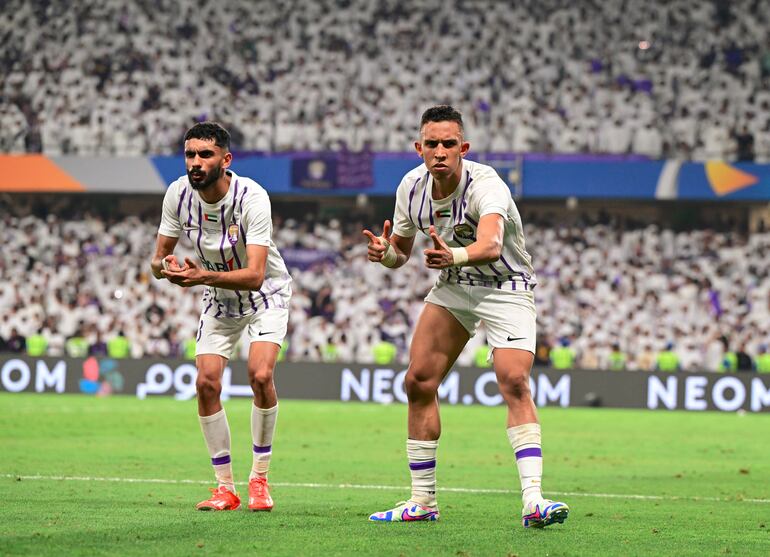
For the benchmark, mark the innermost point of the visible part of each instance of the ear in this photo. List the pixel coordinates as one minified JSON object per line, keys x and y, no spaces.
{"x":418,"y":147}
{"x":464,"y":148}
{"x":228,"y":158}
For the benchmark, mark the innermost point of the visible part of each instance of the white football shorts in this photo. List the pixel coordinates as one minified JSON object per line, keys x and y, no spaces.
{"x":219,"y":335}
{"x":509,"y":316}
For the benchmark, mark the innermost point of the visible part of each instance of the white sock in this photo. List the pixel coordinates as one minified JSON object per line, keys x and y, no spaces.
{"x":526,"y":444}
{"x":262,"y":430}
{"x":216,"y":432}
{"x":422,"y":465}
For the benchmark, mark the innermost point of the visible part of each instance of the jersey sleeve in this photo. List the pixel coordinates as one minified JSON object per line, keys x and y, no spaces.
{"x":491,"y":196}
{"x":169,"y":219}
{"x":257,"y":220}
{"x":402,"y":221}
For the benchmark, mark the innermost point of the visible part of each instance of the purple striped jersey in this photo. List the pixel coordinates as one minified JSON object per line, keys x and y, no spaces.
{"x":480,"y":192}
{"x":219,"y":233}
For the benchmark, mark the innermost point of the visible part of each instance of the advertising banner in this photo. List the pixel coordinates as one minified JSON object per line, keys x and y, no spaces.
{"x":748,"y":392}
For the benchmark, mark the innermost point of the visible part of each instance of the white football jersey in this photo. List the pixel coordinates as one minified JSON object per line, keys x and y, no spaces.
{"x":219,"y":233}
{"x":480,"y":192}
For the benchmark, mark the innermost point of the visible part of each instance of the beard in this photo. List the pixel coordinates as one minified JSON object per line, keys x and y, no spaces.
{"x":208,"y":179}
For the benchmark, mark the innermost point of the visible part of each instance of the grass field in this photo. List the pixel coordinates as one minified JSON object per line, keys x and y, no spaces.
{"x":120,"y":476}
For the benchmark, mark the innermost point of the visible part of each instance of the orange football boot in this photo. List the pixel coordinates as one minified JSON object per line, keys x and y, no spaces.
{"x":222,"y":499}
{"x":259,"y":495}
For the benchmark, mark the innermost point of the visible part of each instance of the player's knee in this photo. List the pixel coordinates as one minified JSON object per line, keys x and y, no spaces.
{"x":208,"y":387}
{"x":420,"y":383}
{"x":515,"y":385}
{"x":260,"y":376}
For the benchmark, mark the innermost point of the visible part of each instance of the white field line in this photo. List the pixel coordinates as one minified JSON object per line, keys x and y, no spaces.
{"x":390,"y":488}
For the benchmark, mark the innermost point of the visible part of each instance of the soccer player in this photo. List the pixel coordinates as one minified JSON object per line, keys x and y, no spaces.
{"x":227,"y":219}
{"x":486,"y":274}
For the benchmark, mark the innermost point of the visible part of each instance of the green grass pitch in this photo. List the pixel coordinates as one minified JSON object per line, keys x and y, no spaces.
{"x":638,"y":483}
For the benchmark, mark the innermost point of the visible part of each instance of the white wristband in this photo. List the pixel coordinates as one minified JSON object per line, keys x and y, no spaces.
{"x":459,"y":256}
{"x":389,"y":258}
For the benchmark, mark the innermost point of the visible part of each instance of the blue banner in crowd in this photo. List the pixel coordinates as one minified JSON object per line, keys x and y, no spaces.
{"x":531,"y":175}
{"x":720,"y":180}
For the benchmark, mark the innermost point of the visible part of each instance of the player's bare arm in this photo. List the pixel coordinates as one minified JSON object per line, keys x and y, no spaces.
{"x":248,"y":278}
{"x":401,"y":247}
{"x":486,"y":249}
{"x":164,"y":252}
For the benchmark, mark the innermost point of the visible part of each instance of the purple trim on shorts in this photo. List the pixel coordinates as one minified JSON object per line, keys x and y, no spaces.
{"x":200,"y":327}
{"x":219,"y":460}
{"x":427,"y":465}
{"x":411,"y":196}
{"x":263,"y":450}
{"x":530,"y":452}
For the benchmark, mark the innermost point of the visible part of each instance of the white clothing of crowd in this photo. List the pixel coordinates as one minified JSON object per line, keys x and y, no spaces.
{"x":682,"y":78}
{"x":598,"y":286}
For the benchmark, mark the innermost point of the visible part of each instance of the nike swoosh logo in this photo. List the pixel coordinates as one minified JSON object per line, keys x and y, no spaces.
{"x":511,"y":339}
{"x":260,"y":333}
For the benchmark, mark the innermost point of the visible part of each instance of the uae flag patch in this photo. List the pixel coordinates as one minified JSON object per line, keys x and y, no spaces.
{"x":443,"y":214}
{"x":210,"y":217}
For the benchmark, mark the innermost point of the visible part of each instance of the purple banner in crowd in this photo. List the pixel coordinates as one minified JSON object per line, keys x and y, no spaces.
{"x":327,"y":171}
{"x":305,"y":258}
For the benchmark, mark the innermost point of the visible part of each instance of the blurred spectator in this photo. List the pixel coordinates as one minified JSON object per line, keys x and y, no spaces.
{"x":37,"y":344}
{"x":16,"y":342}
{"x":563,"y":355}
{"x":667,"y":360}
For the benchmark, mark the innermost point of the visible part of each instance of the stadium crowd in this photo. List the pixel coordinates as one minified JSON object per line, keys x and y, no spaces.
{"x":681,"y":78}
{"x":608,"y":296}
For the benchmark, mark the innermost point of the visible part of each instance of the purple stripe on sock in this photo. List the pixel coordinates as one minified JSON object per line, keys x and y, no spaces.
{"x":531,"y":452}
{"x":422,"y":465}
{"x":261,"y":450}
{"x":220,"y":460}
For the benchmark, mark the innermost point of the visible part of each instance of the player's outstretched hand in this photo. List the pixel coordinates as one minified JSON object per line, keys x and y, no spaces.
{"x":188,"y":275}
{"x":376,"y":247}
{"x":440,"y":257}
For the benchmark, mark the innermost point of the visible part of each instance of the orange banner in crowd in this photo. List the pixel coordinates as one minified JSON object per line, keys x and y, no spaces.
{"x":31,"y":173}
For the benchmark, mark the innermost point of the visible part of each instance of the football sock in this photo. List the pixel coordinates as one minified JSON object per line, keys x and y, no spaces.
{"x":525,"y":441}
{"x":216,"y":432}
{"x":422,"y":465}
{"x":262,"y":429}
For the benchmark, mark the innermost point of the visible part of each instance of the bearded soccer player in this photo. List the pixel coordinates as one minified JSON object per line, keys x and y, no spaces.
{"x":227,"y":218}
{"x":486,"y":275}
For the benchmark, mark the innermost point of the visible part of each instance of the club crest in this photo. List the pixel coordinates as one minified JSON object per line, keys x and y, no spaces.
{"x":464,"y":231}
{"x":232,"y":233}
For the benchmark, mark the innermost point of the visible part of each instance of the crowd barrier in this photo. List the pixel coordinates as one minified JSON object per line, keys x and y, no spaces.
{"x":744,"y":392}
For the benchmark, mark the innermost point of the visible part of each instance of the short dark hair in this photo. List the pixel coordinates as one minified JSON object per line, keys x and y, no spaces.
{"x":442,"y":113}
{"x":210,"y":130}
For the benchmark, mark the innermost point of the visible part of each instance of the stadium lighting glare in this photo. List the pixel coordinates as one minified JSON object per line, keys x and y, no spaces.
{"x":644,"y":45}
{"x":118,"y":294}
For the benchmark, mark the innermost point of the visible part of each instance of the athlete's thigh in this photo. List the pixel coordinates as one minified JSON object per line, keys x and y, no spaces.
{"x":262,"y":357}
{"x":210,"y":367}
{"x":437,"y":342}
{"x":218,"y":336}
